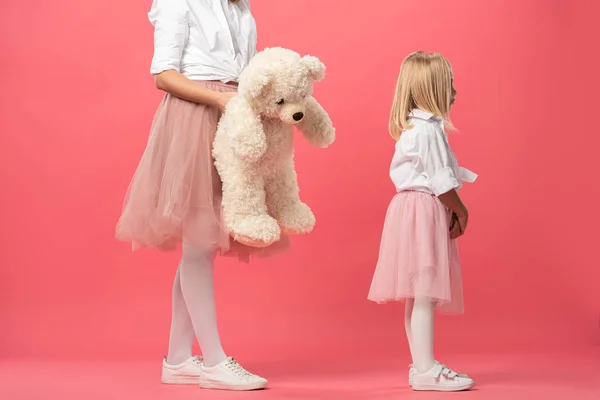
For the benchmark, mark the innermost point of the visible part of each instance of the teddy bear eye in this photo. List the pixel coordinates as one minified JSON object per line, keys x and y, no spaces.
{"x":280,"y":101}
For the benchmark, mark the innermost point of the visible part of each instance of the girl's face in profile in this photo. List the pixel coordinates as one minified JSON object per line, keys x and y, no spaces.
{"x":452,"y":92}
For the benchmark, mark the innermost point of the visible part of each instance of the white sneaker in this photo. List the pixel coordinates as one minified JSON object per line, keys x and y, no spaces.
{"x":229,"y":375}
{"x":439,"y":378}
{"x":186,"y":373}
{"x":411,"y":372}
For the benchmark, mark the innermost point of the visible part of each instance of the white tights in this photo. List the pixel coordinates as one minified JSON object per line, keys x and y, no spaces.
{"x":418,"y":321}
{"x":194,"y":310}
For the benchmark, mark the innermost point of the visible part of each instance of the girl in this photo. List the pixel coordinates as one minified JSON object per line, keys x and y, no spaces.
{"x":200,"y":48}
{"x":418,"y":259}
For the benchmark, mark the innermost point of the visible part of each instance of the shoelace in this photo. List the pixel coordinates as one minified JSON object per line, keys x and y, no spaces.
{"x":237,"y":369}
{"x":197,"y":360}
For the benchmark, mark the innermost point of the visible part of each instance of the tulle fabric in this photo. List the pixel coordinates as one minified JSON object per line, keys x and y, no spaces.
{"x":417,"y":258}
{"x":175,"y":194}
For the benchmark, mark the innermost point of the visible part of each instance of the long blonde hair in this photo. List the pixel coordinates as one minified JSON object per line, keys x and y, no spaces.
{"x":424,"y":82}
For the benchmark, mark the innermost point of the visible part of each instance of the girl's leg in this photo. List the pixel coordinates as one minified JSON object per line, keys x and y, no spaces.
{"x":182,"y":331}
{"x":197,"y":288}
{"x":407,"y":325}
{"x":421,"y":325}
{"x":428,"y":374}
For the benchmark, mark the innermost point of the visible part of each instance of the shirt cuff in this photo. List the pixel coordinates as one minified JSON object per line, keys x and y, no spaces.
{"x":165,"y":59}
{"x":466,"y":176}
{"x":443,"y":182}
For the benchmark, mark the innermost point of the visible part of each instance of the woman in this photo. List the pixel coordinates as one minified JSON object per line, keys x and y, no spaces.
{"x":200,"y":49}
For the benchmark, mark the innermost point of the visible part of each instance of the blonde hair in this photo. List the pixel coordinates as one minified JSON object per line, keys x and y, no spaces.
{"x":424,"y":82}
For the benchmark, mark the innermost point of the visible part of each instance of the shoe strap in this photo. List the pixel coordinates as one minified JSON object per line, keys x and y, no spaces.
{"x":441,"y":369}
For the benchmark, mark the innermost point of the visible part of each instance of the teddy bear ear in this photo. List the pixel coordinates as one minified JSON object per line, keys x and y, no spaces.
{"x":253,"y":80}
{"x":255,"y":85}
{"x":315,"y":67}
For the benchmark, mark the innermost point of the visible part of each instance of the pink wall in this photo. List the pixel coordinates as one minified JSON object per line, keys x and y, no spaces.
{"x":76,"y":104}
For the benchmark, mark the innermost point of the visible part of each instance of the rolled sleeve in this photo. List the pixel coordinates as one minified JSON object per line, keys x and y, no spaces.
{"x":443,"y":181}
{"x":436,"y":162}
{"x":466,"y":175}
{"x":171,"y":32}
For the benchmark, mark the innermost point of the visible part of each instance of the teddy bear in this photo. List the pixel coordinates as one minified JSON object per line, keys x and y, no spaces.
{"x":253,"y":149}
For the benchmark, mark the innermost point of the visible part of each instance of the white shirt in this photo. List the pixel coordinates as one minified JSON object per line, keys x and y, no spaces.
{"x":424,"y":161}
{"x":203,"y":39}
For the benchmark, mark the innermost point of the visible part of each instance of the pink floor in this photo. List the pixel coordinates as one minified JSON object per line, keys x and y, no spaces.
{"x":516,"y":377}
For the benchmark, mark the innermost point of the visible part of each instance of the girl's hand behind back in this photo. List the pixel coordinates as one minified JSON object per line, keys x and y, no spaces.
{"x":458,"y":225}
{"x":454,"y":226}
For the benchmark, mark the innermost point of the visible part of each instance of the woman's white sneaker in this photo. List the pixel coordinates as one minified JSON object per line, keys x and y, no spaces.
{"x":186,"y":373}
{"x":229,"y":375}
{"x":440,"y":378}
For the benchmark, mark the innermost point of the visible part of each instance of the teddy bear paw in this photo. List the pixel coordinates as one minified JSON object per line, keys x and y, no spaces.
{"x":296,"y":220}
{"x":256,"y":231}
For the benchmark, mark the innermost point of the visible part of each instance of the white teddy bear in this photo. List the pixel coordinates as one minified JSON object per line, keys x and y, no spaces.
{"x":254,"y":146}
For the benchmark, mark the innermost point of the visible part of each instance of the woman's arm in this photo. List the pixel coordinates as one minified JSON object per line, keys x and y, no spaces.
{"x":178,"y":85}
{"x":171,"y":33}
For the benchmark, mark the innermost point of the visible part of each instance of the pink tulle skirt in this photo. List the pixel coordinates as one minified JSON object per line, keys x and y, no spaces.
{"x":417,"y":258}
{"x":175,"y":194}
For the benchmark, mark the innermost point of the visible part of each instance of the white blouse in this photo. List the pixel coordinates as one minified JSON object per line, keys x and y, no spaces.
{"x":424,"y":161}
{"x":203,"y":39}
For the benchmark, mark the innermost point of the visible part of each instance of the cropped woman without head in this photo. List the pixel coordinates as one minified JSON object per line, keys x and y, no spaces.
{"x":200,"y":49}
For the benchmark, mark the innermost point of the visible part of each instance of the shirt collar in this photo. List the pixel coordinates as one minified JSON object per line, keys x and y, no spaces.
{"x":417,"y":113}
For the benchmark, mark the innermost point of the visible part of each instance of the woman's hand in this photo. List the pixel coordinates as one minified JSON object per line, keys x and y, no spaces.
{"x":223,"y":98}
{"x":178,"y":85}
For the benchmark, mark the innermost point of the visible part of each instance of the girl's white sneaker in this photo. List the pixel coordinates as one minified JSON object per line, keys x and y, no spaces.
{"x":439,"y":378}
{"x":229,"y":375}
{"x":186,"y":373}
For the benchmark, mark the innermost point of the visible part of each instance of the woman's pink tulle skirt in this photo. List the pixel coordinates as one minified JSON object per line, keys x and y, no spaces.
{"x":417,"y":258}
{"x":175,"y":194}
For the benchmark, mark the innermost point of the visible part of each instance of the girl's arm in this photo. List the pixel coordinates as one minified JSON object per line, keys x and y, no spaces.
{"x":178,"y":85}
{"x":436,"y":159}
{"x":453,"y":201}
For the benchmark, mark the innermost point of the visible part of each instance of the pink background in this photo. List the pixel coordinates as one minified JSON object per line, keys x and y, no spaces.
{"x":76,"y":105}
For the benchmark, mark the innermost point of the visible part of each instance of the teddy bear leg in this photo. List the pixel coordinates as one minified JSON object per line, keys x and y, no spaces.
{"x":245,"y":212}
{"x":283,"y":202}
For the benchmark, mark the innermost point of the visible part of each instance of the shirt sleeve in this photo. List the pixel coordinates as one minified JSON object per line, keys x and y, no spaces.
{"x":434,"y":161}
{"x":171,"y":32}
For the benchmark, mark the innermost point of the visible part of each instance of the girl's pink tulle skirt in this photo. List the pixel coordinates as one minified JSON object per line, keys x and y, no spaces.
{"x":175,"y":193}
{"x":417,"y":258}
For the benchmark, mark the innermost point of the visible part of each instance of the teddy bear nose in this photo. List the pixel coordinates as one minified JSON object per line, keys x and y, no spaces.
{"x":298,"y":116}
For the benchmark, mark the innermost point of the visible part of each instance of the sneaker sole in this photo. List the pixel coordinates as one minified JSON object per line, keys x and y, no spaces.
{"x":223,"y":386}
{"x":441,"y":388}
{"x":180,"y":380}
